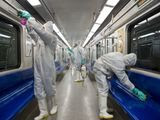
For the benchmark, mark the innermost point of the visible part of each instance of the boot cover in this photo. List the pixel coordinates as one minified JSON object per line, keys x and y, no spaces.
{"x":54,"y":104}
{"x":103,"y":108}
{"x":43,"y":110}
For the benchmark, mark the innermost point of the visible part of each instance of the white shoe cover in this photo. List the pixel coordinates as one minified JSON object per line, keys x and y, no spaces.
{"x":41,"y":116}
{"x":72,"y":69}
{"x":79,"y":77}
{"x":103,"y":108}
{"x":53,"y":110}
{"x":79,"y":80}
{"x":105,"y":115}
{"x":54,"y":104}
{"x":43,"y":110}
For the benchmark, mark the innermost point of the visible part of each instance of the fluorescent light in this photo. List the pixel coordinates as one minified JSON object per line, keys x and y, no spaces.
{"x":154,"y":16}
{"x":142,"y":22}
{"x":34,"y":2}
{"x":90,"y":34}
{"x":85,"y":42}
{"x":95,"y":27}
{"x":61,"y":36}
{"x":146,"y":35}
{"x":134,"y":39}
{"x":112,"y":2}
{"x":88,"y":38}
{"x":5,"y":36}
{"x":103,"y":14}
{"x":55,"y":28}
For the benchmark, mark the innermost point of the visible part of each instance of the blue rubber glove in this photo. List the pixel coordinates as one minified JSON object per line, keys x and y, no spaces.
{"x":83,"y":62}
{"x":139,"y":94}
{"x":70,"y":50}
{"x":24,"y":14}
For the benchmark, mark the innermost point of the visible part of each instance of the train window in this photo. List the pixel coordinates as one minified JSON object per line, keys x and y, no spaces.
{"x":63,"y":57}
{"x":89,"y":54}
{"x":112,"y":44}
{"x":98,"y":50}
{"x":9,"y":45}
{"x":93,"y":54}
{"x":103,"y":46}
{"x":144,"y":40}
{"x":107,"y":46}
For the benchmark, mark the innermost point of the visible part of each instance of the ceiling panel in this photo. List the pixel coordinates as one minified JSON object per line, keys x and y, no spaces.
{"x":74,"y":17}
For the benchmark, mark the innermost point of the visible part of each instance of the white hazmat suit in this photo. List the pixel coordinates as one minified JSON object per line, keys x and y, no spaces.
{"x":79,"y":56}
{"x":44,"y":67}
{"x":104,"y":67}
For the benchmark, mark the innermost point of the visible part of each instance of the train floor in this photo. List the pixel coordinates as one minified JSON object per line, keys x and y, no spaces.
{"x":76,"y":100}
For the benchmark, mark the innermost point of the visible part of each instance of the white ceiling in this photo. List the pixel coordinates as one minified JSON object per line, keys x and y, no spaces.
{"x":74,"y":17}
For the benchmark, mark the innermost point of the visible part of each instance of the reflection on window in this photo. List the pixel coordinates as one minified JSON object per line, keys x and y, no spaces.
{"x":63,"y":58}
{"x":154,"y":16}
{"x":146,"y":35}
{"x":145,"y":42}
{"x":98,"y":50}
{"x":9,"y":45}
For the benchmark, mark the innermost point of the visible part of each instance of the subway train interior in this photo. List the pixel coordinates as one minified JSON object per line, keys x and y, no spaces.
{"x":99,"y":28}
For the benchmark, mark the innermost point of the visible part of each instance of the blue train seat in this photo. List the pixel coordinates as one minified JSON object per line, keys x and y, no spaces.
{"x":90,"y":70}
{"x":59,"y":67}
{"x":136,"y":109}
{"x":90,"y":66}
{"x":16,"y":91}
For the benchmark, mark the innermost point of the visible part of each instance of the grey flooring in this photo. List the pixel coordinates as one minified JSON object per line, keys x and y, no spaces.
{"x":76,"y":100}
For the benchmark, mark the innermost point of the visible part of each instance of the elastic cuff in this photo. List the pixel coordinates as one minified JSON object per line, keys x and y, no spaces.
{"x":132,"y":87}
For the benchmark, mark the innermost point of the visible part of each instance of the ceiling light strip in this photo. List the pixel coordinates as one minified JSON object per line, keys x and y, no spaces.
{"x":55,"y":28}
{"x":112,"y":2}
{"x":102,"y":16}
{"x":34,"y":2}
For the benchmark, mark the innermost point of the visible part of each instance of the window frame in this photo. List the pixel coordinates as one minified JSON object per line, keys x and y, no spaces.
{"x":18,"y":34}
{"x":129,"y":34}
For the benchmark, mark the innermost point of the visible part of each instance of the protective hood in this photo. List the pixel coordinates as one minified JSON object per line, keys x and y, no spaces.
{"x":48,"y":26}
{"x":130,"y":59}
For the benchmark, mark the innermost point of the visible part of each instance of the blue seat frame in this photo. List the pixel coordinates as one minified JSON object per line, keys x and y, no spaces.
{"x":16,"y":91}
{"x":59,"y":67}
{"x":136,"y":109}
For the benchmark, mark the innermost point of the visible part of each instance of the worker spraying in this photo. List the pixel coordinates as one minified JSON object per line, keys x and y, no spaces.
{"x":44,"y":66}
